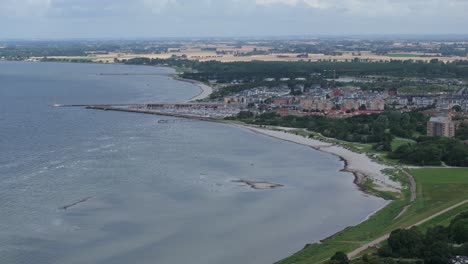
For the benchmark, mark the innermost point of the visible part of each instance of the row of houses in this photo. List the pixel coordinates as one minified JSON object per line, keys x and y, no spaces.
{"x":440,"y":101}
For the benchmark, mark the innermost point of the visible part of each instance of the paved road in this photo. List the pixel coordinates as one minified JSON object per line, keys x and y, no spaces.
{"x":377,"y":241}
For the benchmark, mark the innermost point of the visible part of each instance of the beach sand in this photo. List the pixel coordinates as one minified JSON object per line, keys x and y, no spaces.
{"x":205,"y":92}
{"x":359,"y":164}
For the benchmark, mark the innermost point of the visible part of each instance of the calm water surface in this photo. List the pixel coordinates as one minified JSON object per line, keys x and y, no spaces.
{"x":159,"y":193}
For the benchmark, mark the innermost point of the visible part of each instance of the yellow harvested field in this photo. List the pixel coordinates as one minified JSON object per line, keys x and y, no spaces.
{"x":226,"y":53}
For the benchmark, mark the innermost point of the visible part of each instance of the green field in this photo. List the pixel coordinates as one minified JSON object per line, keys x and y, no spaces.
{"x":436,"y":188}
{"x":426,"y":88}
{"x":440,"y":188}
{"x":397,"y":142}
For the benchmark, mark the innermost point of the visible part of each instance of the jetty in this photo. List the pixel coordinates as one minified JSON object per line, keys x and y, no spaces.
{"x":200,"y":111}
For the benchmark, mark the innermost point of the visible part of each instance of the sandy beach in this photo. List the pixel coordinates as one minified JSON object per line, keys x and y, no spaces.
{"x":205,"y":92}
{"x":359,"y":164}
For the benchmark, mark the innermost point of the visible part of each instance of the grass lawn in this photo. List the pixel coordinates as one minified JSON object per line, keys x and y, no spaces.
{"x":437,"y":189}
{"x":440,"y":188}
{"x":397,"y":142}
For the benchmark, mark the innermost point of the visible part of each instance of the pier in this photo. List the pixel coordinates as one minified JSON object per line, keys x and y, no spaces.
{"x":199,"y":111}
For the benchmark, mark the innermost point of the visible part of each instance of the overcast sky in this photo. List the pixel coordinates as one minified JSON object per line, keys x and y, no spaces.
{"x":206,"y":18}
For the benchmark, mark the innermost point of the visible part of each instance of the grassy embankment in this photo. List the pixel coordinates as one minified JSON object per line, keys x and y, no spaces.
{"x":436,"y":189}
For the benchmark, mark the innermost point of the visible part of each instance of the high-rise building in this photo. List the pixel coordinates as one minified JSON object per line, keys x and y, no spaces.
{"x":440,"y":126}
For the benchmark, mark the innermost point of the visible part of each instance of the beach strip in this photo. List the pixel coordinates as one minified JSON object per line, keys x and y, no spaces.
{"x":359,"y":164}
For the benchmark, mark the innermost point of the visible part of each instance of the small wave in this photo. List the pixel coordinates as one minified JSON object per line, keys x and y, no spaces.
{"x":104,"y":138}
{"x":93,"y":150}
{"x":57,"y":222}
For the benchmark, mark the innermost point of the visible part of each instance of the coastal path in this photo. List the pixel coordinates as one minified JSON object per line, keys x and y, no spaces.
{"x":379,"y":240}
{"x":412,"y":184}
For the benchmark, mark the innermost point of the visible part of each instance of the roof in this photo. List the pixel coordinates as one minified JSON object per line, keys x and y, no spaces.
{"x":459,"y":260}
{"x":439,"y":119}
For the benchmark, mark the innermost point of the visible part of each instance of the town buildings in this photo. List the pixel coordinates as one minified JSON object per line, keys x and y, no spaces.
{"x":344,"y":101}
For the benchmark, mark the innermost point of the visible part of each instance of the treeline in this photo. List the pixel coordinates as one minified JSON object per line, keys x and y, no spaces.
{"x":462,"y":132}
{"x":174,"y":61}
{"x":403,"y":85}
{"x":360,"y":128}
{"x":26,"y":49}
{"x":379,"y":130}
{"x":255,"y":70}
{"x":73,"y":60}
{"x":247,"y":75}
{"x":226,"y":72}
{"x":431,"y":151}
{"x":259,"y":70}
{"x":437,"y":246}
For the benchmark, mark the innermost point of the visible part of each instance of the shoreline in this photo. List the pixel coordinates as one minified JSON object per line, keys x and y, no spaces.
{"x":361,"y":166}
{"x":205,"y":90}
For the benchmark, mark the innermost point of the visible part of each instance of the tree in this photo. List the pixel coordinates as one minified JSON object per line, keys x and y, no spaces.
{"x":383,"y":146}
{"x":459,"y":231}
{"x":245,"y":115}
{"x":340,"y":258}
{"x":437,"y":233}
{"x":406,"y":243}
{"x":436,"y":253}
{"x":385,"y":251}
{"x":362,"y":107}
{"x":457,"y":108}
{"x":461,"y":251}
{"x":462,"y":131}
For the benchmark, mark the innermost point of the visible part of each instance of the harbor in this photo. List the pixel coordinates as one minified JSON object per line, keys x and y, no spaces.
{"x":201,"y":111}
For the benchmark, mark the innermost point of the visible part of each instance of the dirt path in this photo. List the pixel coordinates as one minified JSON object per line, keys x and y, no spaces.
{"x":377,"y":241}
{"x":412,"y":184}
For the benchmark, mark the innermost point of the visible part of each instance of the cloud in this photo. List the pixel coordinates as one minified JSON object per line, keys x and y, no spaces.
{"x":378,"y":7}
{"x":20,"y":8}
{"x":158,"y":5}
{"x":152,"y":18}
{"x":270,"y":2}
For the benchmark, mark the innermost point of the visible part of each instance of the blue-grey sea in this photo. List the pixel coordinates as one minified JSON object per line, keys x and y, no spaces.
{"x":156,"y":192}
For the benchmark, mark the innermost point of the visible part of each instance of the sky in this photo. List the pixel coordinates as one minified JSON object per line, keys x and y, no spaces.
{"x":62,"y":19}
